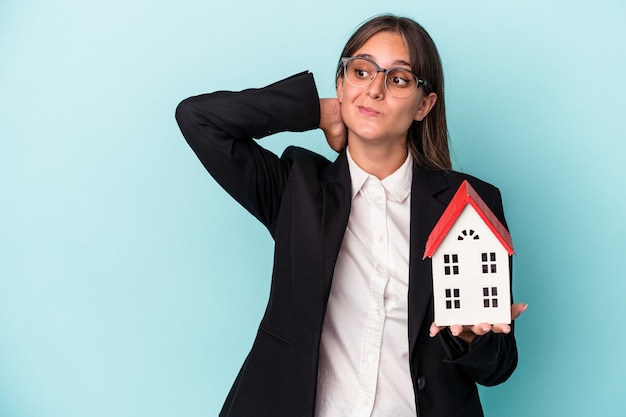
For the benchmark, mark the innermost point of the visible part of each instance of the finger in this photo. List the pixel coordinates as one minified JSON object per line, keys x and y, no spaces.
{"x":456,"y":329}
{"x":517,"y":309}
{"x":481,"y":328}
{"x":501,"y":328}
{"x":434,"y":330}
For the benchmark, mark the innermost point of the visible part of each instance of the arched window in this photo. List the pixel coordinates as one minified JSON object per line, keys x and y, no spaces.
{"x":468,"y":234}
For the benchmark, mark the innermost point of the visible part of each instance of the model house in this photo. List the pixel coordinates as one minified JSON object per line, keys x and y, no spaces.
{"x":470,"y":250}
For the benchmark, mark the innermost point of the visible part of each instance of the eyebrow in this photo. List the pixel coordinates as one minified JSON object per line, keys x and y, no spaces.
{"x":396,"y":62}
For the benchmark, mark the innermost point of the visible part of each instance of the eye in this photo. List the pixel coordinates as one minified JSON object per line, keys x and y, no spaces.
{"x":361,"y":71}
{"x":400,"y":78}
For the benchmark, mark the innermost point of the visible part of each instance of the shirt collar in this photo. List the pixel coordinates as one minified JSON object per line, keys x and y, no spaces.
{"x":397,"y":185}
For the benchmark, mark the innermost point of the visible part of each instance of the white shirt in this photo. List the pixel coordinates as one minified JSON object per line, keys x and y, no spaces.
{"x":364,"y":351}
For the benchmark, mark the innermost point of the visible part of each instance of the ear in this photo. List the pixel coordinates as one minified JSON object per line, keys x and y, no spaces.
{"x":425,"y":106}
{"x":340,"y":89}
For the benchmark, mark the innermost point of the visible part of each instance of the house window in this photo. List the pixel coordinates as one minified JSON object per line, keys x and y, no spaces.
{"x":451,"y":264}
{"x":466,"y":234}
{"x":489,"y":262}
{"x":453,"y":298}
{"x":490,"y":297}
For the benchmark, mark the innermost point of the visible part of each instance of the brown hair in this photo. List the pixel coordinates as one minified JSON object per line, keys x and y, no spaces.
{"x":427,"y":140}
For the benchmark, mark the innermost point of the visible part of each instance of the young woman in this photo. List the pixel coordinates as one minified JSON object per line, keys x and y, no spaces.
{"x":348,"y":329}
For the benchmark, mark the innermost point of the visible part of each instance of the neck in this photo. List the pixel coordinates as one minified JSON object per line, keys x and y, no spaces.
{"x":379,"y":161}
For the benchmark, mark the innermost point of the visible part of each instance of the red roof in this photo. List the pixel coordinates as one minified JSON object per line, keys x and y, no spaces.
{"x":466,"y":195}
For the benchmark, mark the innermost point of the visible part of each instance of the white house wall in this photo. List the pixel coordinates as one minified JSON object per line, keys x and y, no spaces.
{"x":470,"y":280}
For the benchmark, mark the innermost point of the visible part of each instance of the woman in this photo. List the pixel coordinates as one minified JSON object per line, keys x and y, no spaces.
{"x":348,"y":327}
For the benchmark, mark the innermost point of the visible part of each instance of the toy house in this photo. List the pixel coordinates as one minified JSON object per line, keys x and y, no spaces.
{"x":470,"y":250}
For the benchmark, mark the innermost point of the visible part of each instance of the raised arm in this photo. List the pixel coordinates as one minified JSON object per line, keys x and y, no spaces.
{"x":220,"y":128}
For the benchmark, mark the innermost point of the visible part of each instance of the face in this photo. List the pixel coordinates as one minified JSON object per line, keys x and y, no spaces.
{"x":370,"y":114}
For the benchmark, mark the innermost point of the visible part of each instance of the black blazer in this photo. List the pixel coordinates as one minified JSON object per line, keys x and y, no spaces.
{"x":304,"y":201}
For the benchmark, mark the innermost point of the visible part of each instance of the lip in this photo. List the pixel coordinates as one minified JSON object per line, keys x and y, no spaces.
{"x":368,"y":111}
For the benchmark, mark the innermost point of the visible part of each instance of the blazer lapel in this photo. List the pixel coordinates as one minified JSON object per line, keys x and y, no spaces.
{"x":425,"y":212}
{"x":336,"y":204}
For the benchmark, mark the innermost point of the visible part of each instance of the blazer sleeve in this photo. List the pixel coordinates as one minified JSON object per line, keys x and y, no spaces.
{"x":221,"y":127}
{"x":491,"y":358}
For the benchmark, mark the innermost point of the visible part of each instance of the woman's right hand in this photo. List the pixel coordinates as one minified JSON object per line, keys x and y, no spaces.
{"x":332,"y":125}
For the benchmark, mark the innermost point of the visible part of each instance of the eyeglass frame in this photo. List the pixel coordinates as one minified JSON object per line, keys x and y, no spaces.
{"x":345,"y":60}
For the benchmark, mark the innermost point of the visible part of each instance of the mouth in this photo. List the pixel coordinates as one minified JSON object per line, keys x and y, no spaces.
{"x":368,"y":111}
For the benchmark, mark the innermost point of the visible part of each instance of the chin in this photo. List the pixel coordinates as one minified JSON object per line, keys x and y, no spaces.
{"x":368,"y":135}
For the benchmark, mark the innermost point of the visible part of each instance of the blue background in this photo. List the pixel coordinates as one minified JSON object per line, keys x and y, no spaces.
{"x":131,"y":285}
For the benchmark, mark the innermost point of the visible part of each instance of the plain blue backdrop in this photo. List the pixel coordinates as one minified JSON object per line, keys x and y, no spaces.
{"x":123,"y":289}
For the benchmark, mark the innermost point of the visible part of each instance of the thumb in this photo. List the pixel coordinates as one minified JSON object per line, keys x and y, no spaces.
{"x":517,"y":309}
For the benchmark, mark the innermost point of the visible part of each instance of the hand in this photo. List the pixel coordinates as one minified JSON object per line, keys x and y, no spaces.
{"x":468,"y":333}
{"x":332,"y":123}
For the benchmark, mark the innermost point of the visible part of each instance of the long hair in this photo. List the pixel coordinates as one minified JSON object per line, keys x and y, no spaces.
{"x":427,"y":140}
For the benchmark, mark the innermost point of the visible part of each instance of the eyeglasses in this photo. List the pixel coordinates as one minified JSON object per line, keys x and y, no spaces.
{"x":399,"y":82}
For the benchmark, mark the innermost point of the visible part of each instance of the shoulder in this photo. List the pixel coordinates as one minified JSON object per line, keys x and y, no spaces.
{"x":455,"y":178}
{"x":489,"y":193}
{"x":443,"y":185}
{"x":437,"y":181}
{"x":302,"y":158}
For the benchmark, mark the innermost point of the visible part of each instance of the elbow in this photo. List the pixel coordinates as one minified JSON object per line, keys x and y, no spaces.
{"x":504,"y":364}
{"x":183,"y":114}
{"x":500,"y":377}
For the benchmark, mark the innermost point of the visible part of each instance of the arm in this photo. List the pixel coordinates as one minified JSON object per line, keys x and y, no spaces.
{"x":489,"y":360}
{"x":220,"y":128}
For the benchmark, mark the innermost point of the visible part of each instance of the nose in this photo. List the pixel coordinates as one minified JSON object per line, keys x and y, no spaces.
{"x":376,"y":89}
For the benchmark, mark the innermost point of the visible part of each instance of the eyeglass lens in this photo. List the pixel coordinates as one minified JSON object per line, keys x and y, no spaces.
{"x":400,"y":83}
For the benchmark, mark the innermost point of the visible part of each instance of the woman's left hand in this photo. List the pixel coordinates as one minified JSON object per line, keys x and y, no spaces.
{"x":468,"y":333}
